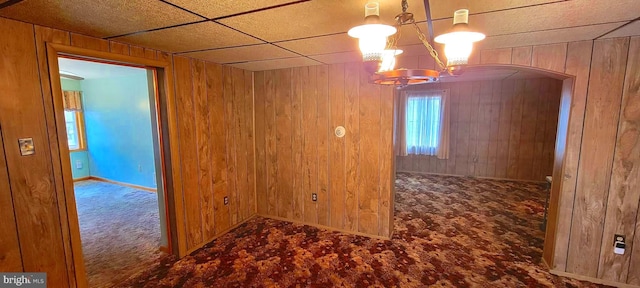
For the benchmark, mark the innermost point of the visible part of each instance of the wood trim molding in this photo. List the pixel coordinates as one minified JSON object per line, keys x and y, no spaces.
{"x":165,"y":81}
{"x":138,"y":187}
{"x":591,"y":279}
{"x":324,"y":227}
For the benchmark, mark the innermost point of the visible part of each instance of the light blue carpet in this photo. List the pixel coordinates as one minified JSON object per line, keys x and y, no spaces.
{"x":120,"y":230}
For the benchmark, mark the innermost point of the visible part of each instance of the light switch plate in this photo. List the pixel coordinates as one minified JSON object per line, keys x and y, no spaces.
{"x":26,"y":146}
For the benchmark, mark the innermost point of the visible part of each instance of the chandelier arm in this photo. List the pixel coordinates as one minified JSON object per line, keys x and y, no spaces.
{"x":433,"y":52}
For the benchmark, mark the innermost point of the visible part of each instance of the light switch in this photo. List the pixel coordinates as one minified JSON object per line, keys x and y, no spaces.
{"x":26,"y":146}
{"x":78,"y":164}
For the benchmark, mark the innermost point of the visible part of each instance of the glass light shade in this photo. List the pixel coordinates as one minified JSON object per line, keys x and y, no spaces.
{"x":458,"y":46}
{"x":389,"y":60}
{"x":372,"y":39}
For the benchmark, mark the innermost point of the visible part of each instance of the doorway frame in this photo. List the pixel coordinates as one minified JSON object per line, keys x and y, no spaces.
{"x":168,"y":140}
{"x":560,"y":204}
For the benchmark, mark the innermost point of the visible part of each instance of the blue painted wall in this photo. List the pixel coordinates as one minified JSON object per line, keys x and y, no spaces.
{"x":78,"y":158}
{"x":118,"y":126}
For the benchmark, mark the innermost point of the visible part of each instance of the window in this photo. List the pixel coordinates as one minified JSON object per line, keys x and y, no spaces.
{"x":423,"y":122}
{"x":75,"y":131}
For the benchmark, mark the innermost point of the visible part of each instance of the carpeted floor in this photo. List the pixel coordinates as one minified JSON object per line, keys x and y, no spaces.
{"x":120,"y":231}
{"x":449,"y":232}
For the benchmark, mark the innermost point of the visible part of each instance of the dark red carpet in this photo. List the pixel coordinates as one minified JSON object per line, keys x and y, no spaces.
{"x":449,"y":232}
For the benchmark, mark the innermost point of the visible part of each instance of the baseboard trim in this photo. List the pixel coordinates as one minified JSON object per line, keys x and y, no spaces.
{"x":138,"y":187}
{"x":325,"y":227}
{"x":81,"y":179}
{"x":591,"y":279}
{"x":480,"y":177}
{"x":189,"y":251}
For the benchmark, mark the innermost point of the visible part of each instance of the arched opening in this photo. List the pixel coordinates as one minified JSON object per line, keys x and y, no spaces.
{"x":492,"y":151}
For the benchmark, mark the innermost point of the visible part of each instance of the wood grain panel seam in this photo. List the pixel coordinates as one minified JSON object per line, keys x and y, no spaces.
{"x":197,"y":151}
{"x":53,"y":166}
{"x":615,"y":149}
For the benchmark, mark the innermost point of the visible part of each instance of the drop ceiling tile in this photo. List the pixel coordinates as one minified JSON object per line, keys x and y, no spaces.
{"x":547,"y":36}
{"x":342,"y":57}
{"x":444,"y":8}
{"x":315,"y":18}
{"x":556,"y":15}
{"x":200,"y":36}
{"x":213,"y":9}
{"x":322,"y":44}
{"x":101,"y":19}
{"x":632,"y":29}
{"x":276,"y":64}
{"x":242,"y":54}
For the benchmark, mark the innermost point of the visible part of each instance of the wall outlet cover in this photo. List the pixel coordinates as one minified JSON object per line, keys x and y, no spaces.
{"x":314,"y":197}
{"x":226,"y":200}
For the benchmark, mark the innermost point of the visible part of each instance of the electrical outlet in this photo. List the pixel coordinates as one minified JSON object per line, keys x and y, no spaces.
{"x":139,"y":167}
{"x":226,"y":200}
{"x":78,"y":164}
{"x":618,"y":244}
{"x":314,"y":197}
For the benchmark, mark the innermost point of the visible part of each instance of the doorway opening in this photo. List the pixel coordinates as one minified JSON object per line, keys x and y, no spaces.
{"x":113,"y":136}
{"x":506,"y":138}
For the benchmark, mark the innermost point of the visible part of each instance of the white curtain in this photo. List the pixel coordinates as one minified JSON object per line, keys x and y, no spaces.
{"x":423,"y":121}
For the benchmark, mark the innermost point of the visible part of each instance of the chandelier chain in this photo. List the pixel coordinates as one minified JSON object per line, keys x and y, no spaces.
{"x":432,"y":51}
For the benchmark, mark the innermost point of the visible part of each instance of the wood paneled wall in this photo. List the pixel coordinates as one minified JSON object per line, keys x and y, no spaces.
{"x":598,"y":195}
{"x":215,"y":123}
{"x":215,"y":129}
{"x":499,"y":129}
{"x":298,"y":154}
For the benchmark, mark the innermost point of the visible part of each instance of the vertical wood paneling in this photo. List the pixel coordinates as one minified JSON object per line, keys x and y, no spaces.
{"x":352,"y":144}
{"x":283,"y":143}
{"x":249,"y":113}
{"x":270,"y":134}
{"x":386,"y":169}
{"x":337,"y":156}
{"x":217,"y":146}
{"x":43,"y":35}
{"x":297,"y":143}
{"x":496,"y":56}
{"x":88,"y":42}
{"x":230,"y":120}
{"x":188,"y":150}
{"x":323,"y":144}
{"x":496,"y":131}
{"x":624,"y":191}
{"x":551,"y":57}
{"x":202,"y":135}
{"x":143,"y":52}
{"x":241,"y":146}
{"x":310,"y":142}
{"x":31,"y":177}
{"x":599,"y":137}
{"x":201,"y":120}
{"x":577,"y":63}
{"x":261,"y":157}
{"x":119,"y":48}
{"x":10,"y":259}
{"x":521,"y":56}
{"x":369,"y":188}
{"x":353,"y":175}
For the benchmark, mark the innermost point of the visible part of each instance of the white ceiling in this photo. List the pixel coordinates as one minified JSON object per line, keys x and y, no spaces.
{"x":94,"y":70}
{"x":269,"y":34}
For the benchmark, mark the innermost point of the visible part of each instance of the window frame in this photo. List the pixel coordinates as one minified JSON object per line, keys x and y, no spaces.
{"x":82,"y":143}
{"x":440,"y":94}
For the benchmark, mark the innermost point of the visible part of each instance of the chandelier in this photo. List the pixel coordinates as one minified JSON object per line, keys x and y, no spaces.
{"x":378,"y":44}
